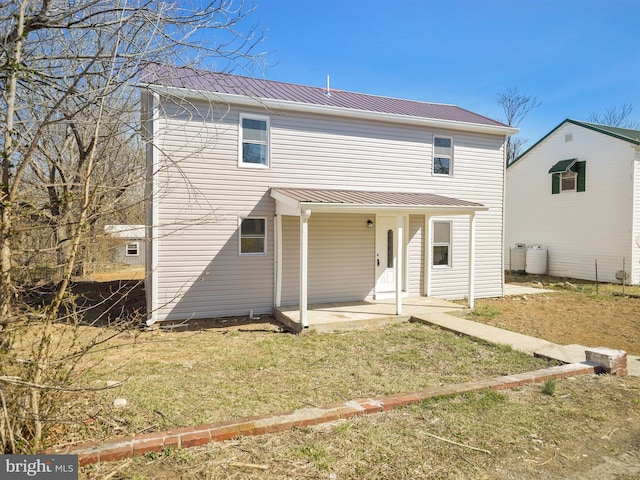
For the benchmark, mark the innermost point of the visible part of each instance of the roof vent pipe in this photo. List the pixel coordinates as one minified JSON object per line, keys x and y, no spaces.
{"x":328,"y":91}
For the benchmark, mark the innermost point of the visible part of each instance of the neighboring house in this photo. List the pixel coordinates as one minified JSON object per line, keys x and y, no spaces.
{"x":265,"y":194}
{"x":130,"y":245}
{"x":577,"y":193}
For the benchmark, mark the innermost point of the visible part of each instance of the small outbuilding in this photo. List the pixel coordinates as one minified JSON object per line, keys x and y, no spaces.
{"x":129,"y":244}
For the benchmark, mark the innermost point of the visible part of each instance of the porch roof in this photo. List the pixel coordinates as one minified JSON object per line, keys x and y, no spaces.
{"x":345,"y":201}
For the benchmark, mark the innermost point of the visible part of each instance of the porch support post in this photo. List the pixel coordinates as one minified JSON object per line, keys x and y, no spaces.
{"x":428,"y":255}
{"x":304,"y":246}
{"x":399,"y":263}
{"x":472,"y":258}
{"x":278,"y":260}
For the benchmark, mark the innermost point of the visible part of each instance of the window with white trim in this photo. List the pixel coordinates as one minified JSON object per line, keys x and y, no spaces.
{"x":253,"y":236}
{"x":132,"y":249}
{"x":442,"y":155}
{"x":254,"y":141}
{"x":568,"y":181}
{"x":441,"y":244}
{"x":568,"y":176}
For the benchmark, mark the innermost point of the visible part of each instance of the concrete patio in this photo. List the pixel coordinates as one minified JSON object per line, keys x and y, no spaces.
{"x":366,"y":314}
{"x":373,"y":313}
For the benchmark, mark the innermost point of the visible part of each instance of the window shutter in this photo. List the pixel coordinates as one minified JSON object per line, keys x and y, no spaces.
{"x":555,"y":183}
{"x":581,"y":169}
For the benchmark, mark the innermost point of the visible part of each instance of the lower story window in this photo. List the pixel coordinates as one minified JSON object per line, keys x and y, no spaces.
{"x":253,"y":234}
{"x":441,"y":243}
{"x":133,"y":249}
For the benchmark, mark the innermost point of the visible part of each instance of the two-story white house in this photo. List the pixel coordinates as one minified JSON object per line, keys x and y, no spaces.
{"x":264,"y":194}
{"x":576,"y":192}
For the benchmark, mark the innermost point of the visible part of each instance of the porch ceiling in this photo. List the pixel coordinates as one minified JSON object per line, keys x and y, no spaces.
{"x":345,"y":201}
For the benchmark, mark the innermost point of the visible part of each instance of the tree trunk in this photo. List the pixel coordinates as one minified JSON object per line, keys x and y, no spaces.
{"x":6,"y":219}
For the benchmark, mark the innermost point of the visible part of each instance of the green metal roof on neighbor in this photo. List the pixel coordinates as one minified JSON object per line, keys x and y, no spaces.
{"x":626,"y":134}
{"x":563,"y":165}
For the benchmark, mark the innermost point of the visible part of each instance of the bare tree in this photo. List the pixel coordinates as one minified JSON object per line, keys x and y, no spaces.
{"x":516,"y":107}
{"x":71,"y":160}
{"x":615,"y":117}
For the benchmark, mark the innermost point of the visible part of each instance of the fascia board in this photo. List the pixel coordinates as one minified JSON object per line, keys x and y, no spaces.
{"x":270,"y":104}
{"x":373,"y":208}
{"x":401,"y":209}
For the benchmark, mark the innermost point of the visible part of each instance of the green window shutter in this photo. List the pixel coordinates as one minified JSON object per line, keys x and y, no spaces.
{"x":581,"y":169}
{"x":555,"y":183}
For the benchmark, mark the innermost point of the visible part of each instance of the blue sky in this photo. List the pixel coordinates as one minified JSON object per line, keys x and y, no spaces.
{"x":575,"y":56}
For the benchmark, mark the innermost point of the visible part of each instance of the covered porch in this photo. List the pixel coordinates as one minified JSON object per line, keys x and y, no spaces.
{"x":365,"y":314}
{"x":389,"y":267}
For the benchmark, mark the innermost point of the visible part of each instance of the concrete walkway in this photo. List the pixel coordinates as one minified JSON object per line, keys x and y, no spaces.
{"x":428,"y":310}
{"x":517,"y":341}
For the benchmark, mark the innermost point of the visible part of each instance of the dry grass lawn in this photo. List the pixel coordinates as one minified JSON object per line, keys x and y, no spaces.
{"x":581,"y":428}
{"x":181,"y":378}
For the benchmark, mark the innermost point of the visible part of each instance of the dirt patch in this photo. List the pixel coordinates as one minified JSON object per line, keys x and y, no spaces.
{"x":573,"y":313}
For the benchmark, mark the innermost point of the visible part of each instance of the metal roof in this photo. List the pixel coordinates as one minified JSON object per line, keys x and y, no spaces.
{"x":206,"y":81}
{"x":357,"y":198}
{"x":563,"y":165}
{"x":631,"y":136}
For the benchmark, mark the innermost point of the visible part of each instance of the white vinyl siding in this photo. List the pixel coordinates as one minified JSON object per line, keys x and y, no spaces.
{"x":578,"y":229}
{"x":416,"y":254}
{"x":203,"y":193}
{"x":341,"y":258}
{"x":635,"y":230}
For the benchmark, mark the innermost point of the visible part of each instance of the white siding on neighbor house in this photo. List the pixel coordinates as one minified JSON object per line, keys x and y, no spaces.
{"x":204,"y":192}
{"x":577,"y":228}
{"x":635,"y":239}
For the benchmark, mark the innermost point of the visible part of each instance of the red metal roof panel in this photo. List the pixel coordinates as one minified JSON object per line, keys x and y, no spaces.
{"x":357,"y":197}
{"x":200,"y":80}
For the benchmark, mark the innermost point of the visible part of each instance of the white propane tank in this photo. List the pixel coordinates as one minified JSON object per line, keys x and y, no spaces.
{"x":536,"y":260}
{"x":518,"y":254}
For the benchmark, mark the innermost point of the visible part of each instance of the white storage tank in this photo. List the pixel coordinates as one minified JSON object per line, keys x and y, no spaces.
{"x":518,"y":255}
{"x":536,"y":260}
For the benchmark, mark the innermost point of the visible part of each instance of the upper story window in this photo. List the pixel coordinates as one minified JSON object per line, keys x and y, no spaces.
{"x":442,"y":156}
{"x":568,"y":176}
{"x":253,"y":235}
{"x":567,"y":181}
{"x":254,"y":141}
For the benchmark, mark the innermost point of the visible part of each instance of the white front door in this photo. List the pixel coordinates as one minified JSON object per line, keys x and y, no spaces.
{"x":386,"y":238}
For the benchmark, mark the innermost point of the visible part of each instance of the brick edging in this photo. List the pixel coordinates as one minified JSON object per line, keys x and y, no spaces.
{"x":120,"y":448}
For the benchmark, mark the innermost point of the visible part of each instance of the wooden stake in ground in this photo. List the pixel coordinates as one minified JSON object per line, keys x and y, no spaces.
{"x":249,"y":465}
{"x":459,"y":444}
